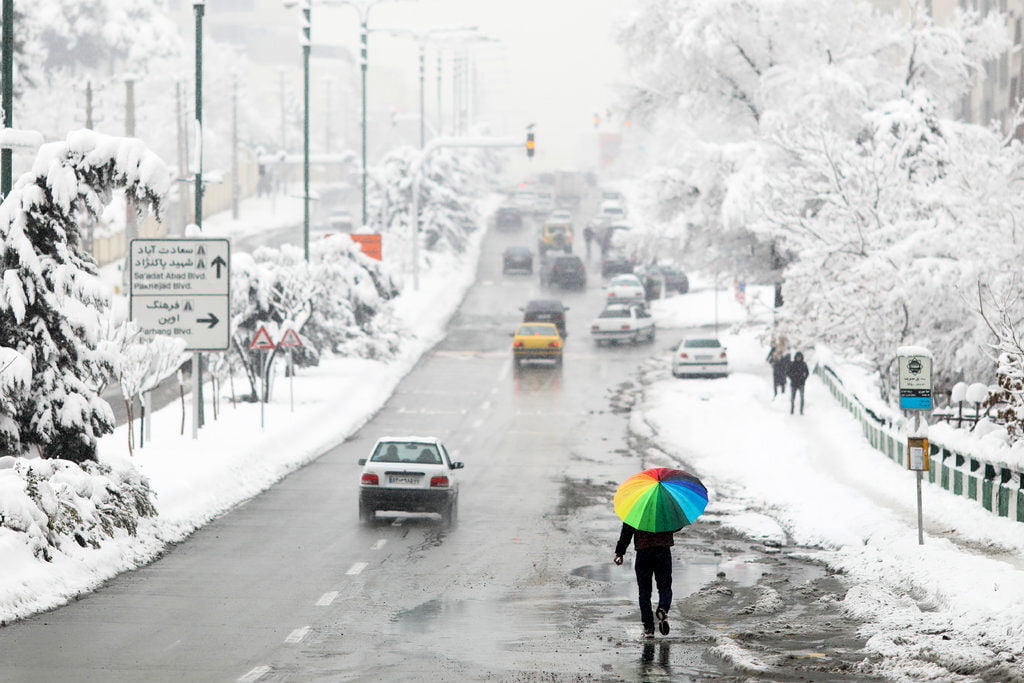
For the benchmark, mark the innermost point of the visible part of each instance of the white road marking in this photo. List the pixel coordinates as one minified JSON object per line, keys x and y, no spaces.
{"x":379,"y":544}
{"x":254,"y":675}
{"x":478,"y":423}
{"x":297,"y":635}
{"x":505,"y":367}
{"x":398,"y":521}
{"x":486,"y":405}
{"x":326,"y":599}
{"x":494,"y":390}
{"x":357,"y":568}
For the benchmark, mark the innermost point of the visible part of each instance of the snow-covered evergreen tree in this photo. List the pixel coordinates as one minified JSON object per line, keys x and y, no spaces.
{"x":51,"y":298}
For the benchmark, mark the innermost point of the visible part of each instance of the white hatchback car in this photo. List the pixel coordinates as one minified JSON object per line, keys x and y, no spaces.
{"x":409,"y":474}
{"x":700,"y":357}
{"x":625,"y":287}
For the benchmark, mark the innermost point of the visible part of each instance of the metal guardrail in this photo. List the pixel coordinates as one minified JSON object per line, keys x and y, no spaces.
{"x":995,"y":486}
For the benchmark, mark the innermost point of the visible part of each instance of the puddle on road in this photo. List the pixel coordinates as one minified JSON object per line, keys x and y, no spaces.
{"x":688,"y":575}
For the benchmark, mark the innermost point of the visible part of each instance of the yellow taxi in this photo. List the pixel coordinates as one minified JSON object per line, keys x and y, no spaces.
{"x":555,"y":236}
{"x":537,"y":341}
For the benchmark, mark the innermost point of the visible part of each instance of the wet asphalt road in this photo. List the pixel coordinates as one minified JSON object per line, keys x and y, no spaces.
{"x":289,"y":586}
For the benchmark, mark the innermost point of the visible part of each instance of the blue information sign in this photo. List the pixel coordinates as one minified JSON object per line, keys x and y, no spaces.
{"x":915,"y":402}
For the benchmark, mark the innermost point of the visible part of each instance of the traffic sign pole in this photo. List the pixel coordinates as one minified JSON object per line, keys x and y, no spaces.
{"x":915,"y":390}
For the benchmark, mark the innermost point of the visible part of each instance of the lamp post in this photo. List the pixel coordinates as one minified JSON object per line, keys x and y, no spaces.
{"x":199,"y":7}
{"x":422,"y":37}
{"x":7,"y":74}
{"x":306,"y":25}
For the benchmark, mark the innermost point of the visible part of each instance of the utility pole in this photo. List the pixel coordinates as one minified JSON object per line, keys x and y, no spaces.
{"x":284,"y":108}
{"x":197,"y":376}
{"x":440,"y":107}
{"x":423,"y":80}
{"x":88,"y":105}
{"x":7,"y":97}
{"x":363,"y":63}
{"x":306,"y":46}
{"x":234,"y":147}
{"x":181,"y":121}
{"x":131,"y":223}
{"x":327,"y":115}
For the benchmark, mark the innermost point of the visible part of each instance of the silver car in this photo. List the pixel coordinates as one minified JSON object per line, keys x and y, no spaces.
{"x":700,"y":357}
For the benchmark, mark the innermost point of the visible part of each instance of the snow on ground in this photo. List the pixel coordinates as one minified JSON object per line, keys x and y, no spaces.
{"x":234,"y":458}
{"x":955,"y":603}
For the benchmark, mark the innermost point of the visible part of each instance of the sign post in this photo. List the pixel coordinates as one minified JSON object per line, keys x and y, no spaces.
{"x":182,"y":288}
{"x":915,"y":385}
{"x":262,"y":341}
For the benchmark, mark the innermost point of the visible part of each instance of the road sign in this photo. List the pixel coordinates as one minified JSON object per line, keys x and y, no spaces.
{"x":182,"y":288}
{"x":370,"y":244}
{"x":290,"y":338}
{"x":915,"y":382}
{"x":261,"y":340}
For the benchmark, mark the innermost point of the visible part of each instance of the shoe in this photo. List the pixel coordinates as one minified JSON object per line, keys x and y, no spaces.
{"x":648,"y":631}
{"x":662,"y":621}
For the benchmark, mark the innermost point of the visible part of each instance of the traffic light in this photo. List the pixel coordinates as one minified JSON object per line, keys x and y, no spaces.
{"x":530,"y":144}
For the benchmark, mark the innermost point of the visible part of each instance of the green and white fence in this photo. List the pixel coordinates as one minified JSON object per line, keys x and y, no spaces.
{"x":995,"y":486}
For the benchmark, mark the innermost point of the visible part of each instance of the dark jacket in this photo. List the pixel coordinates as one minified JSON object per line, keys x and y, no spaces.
{"x":642,"y":539}
{"x":780,"y":368}
{"x":797,"y":371}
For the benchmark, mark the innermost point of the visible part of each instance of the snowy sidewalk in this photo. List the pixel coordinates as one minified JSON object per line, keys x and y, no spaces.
{"x":959,"y":596}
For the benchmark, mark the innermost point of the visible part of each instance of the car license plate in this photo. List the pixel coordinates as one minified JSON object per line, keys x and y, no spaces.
{"x":408,"y":479}
{"x":703,"y":358}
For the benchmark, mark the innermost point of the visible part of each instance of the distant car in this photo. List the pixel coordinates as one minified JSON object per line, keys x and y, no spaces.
{"x":508,"y":218}
{"x":341,"y":220}
{"x":611,"y":211}
{"x":525,"y":199}
{"x":611,"y":196}
{"x":675,"y":279}
{"x":700,"y":357}
{"x":560,"y":216}
{"x":615,"y":262}
{"x":625,"y":287}
{"x":567,"y":272}
{"x":545,"y":203}
{"x":546,"y":311}
{"x":537,"y":341}
{"x":517,"y":260}
{"x":623,"y":322}
{"x":409,"y":474}
{"x":555,"y":236}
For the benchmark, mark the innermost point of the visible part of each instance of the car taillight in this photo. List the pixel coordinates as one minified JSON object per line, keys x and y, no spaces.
{"x":517,"y":343}
{"x":624,"y":327}
{"x":594,"y":328}
{"x":370,"y":479}
{"x":611,"y":293}
{"x":683,"y":355}
{"x":722,"y":355}
{"x":555,"y":344}
{"x":439,"y":482}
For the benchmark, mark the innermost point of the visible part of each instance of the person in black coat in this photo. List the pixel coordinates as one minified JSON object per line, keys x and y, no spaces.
{"x":780,"y":365}
{"x":797,"y":373}
{"x":653,"y":559}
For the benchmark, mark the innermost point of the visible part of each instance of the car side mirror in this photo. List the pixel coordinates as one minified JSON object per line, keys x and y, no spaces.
{"x":362,"y":461}
{"x":457,"y":465}
{"x":521,"y":308}
{"x":566,"y":308}
{"x":511,"y":334}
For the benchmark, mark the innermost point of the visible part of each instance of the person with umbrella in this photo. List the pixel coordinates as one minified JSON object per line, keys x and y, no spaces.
{"x":653,"y":505}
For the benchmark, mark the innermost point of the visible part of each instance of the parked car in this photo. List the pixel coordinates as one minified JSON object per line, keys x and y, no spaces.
{"x":508,"y":218}
{"x":625,"y":287}
{"x":409,"y":474}
{"x":568,"y":272}
{"x":675,"y":279}
{"x":517,"y":260}
{"x":555,"y":236}
{"x":700,"y":357}
{"x":615,"y":262}
{"x":560,"y":216}
{"x":537,"y":341}
{"x":623,"y":322}
{"x":546,"y":311}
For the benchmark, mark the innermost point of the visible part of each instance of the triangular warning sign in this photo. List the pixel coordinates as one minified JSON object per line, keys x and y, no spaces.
{"x":262,"y":340}
{"x":188,"y":306}
{"x":200,"y":250}
{"x":200,"y":263}
{"x":290,"y":338}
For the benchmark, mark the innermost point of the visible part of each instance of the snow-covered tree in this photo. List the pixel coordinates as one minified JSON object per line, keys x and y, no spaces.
{"x":51,"y":298}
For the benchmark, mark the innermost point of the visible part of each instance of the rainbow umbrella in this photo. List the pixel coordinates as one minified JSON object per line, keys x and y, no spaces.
{"x":660,"y":499}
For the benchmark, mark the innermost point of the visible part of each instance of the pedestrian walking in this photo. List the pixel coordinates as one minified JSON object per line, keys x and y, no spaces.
{"x":653,"y":559}
{"x":797,"y":373}
{"x":779,"y":360}
{"x":588,"y":237}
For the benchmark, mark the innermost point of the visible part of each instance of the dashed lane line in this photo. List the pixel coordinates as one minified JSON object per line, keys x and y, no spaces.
{"x":357,"y":568}
{"x":379,"y":544}
{"x":326,"y":599}
{"x":256,"y":674}
{"x":297,"y":635}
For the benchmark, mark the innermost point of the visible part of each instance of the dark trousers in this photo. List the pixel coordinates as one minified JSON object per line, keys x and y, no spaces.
{"x":792,"y":397}
{"x":656,"y":562}
{"x":780,"y":386}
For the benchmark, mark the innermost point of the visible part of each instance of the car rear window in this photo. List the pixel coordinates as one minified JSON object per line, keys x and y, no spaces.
{"x":701,"y":343}
{"x":614,"y":313}
{"x":537,"y":331}
{"x":406,"y":452}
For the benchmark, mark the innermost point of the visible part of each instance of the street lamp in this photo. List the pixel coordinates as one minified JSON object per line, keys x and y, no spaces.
{"x":363,"y":7}
{"x":422,"y":37}
{"x":306,"y":24}
{"x":7,"y":99}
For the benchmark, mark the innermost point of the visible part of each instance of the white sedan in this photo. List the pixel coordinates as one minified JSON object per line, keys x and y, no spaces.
{"x":700,"y":357}
{"x":625,"y":287}
{"x":623,"y":322}
{"x":409,"y":474}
